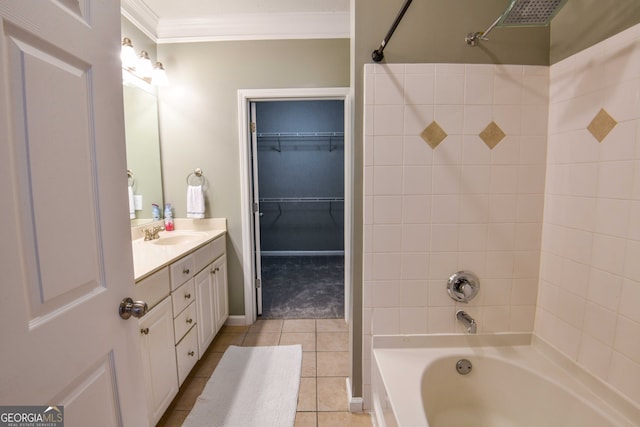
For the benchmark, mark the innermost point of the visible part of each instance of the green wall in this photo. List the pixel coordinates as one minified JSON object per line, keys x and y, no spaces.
{"x":583,"y":23}
{"x":199,"y":117}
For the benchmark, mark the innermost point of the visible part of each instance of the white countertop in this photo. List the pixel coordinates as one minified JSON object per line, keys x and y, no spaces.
{"x":151,"y":256}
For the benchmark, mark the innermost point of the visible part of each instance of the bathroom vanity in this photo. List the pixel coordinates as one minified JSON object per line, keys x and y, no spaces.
{"x":182,"y":276}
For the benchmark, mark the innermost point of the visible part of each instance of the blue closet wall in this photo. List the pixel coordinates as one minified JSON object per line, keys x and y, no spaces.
{"x":301,"y":175}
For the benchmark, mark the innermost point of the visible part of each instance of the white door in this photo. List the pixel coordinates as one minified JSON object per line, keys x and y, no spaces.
{"x":256,"y":209}
{"x":65,"y":252}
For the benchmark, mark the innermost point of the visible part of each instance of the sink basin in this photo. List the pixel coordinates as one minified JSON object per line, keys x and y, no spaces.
{"x":176,"y":239}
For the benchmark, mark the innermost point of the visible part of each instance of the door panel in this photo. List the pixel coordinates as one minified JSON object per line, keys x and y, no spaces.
{"x":65,"y":256}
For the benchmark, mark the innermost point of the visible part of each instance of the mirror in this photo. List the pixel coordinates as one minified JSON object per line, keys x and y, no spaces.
{"x":143,"y":147}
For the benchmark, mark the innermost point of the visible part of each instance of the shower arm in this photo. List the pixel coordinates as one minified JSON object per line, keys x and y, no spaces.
{"x":378,"y":54}
{"x":472,"y":38}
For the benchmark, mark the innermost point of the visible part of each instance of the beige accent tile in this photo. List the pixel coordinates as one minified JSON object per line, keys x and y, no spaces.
{"x":306,"y":339}
{"x":173,"y":419}
{"x":343,"y":419}
{"x":222,"y":342}
{"x":492,"y":135}
{"x":189,"y":392}
{"x":307,"y":396}
{"x":333,"y":363}
{"x":433,"y":134}
{"x":207,"y":364}
{"x":299,"y":325}
{"x":226,"y":329}
{"x":309,"y":364}
{"x":332,"y":341}
{"x":268,"y":325}
{"x":601,"y":125}
{"x":261,"y":339}
{"x":306,"y":419}
{"x":331,"y":325}
{"x":332,"y":394}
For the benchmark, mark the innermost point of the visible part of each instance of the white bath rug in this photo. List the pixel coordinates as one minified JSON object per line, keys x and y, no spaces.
{"x":251,"y":386}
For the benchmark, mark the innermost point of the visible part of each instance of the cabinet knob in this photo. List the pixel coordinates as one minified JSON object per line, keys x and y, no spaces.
{"x":187,"y":296}
{"x":191,"y":353}
{"x":217,"y":269}
{"x":185,"y":271}
{"x":189,"y":321}
{"x":144,"y":331}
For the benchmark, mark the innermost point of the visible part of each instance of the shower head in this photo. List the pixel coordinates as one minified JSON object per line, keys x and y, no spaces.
{"x":521,"y":13}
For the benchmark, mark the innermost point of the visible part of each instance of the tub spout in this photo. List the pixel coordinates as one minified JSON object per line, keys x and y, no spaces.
{"x":467,"y":321}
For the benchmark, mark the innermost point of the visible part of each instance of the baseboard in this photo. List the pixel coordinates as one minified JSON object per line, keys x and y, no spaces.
{"x":356,"y":404}
{"x":236,"y":320}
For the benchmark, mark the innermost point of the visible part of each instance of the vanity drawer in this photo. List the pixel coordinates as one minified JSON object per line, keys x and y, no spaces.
{"x":219,"y":247}
{"x":183,"y":296}
{"x":181,"y":271}
{"x":152,"y":289}
{"x":203,"y":257}
{"x":184,"y":321}
{"x":187,"y":354}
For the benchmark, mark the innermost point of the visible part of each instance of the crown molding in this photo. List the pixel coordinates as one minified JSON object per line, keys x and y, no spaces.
{"x":141,"y":15}
{"x":267,"y":26}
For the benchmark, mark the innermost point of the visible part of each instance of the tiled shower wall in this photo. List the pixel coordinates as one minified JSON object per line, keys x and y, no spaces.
{"x":433,"y":209}
{"x":589,"y":303}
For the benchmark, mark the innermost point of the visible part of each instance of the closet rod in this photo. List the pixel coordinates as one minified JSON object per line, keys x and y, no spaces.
{"x":299,"y":134}
{"x":300,"y":199}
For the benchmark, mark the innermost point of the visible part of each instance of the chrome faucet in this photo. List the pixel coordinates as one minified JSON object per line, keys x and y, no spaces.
{"x":151,"y":233}
{"x":467,"y":321}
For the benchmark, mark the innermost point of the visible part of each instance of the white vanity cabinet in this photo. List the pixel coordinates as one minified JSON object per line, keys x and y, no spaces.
{"x":212,"y":295}
{"x":188,"y":304}
{"x":157,"y":344}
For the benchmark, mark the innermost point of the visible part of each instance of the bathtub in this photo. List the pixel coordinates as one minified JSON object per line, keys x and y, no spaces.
{"x":516,"y":380}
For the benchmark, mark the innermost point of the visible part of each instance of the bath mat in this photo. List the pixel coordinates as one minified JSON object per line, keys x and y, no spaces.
{"x":251,"y":386}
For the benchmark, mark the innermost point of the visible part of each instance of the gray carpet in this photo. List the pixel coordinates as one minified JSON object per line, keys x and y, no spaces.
{"x":303,"y":287}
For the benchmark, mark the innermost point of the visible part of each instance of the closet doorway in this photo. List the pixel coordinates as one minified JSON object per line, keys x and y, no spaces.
{"x":298,"y":181}
{"x":297,"y":190}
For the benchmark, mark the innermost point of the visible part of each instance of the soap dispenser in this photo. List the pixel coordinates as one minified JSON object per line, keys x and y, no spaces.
{"x":168,"y":217}
{"x":155,"y":212}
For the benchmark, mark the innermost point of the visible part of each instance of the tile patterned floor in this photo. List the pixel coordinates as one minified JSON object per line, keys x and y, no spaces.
{"x":322,"y":400}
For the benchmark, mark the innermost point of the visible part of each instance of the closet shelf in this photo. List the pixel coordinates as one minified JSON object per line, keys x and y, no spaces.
{"x":278,"y":141}
{"x":300,"y":199}
{"x":300,"y":134}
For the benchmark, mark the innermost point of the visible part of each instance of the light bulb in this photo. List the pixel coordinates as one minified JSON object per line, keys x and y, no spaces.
{"x":144,"y":68}
{"x":159,"y":75}
{"x":128,"y":55}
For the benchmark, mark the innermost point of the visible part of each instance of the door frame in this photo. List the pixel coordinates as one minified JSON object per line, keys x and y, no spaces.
{"x":245,"y":97}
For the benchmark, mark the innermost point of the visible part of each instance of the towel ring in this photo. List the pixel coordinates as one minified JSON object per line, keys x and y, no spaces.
{"x":130,"y":180}
{"x":197,"y":176}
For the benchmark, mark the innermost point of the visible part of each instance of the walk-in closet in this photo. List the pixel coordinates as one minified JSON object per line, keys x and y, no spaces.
{"x":299,"y":175}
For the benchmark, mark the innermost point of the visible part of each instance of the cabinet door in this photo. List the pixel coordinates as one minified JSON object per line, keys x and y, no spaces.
{"x":221,"y":291}
{"x":205,"y":309}
{"x":158,"y":358}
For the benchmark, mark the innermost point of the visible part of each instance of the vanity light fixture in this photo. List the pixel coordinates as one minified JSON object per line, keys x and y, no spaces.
{"x":128,"y":55}
{"x":140,"y":66}
{"x":159,"y":77}
{"x":144,"y":68}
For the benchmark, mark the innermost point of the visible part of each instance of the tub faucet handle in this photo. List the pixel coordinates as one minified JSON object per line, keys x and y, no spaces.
{"x":463,"y":286}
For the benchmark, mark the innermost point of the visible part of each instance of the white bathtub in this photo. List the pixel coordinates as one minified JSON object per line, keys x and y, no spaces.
{"x":516,"y":381}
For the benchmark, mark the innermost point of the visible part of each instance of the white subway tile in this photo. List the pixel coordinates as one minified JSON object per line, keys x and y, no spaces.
{"x":419,"y":88}
{"x":627,"y":338}
{"x":629,"y":299}
{"x":416,"y":237}
{"x":389,"y":89}
{"x":414,"y":266}
{"x":416,"y":152}
{"x":387,"y":209}
{"x":388,"y":120}
{"x":387,"y":150}
{"x":605,"y":288}
{"x":600,"y":323}
{"x":387,"y":180}
{"x":416,"y":209}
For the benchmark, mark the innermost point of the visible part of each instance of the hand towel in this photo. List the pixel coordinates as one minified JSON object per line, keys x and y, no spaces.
{"x":195,"y":201}
{"x":132,"y":209}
